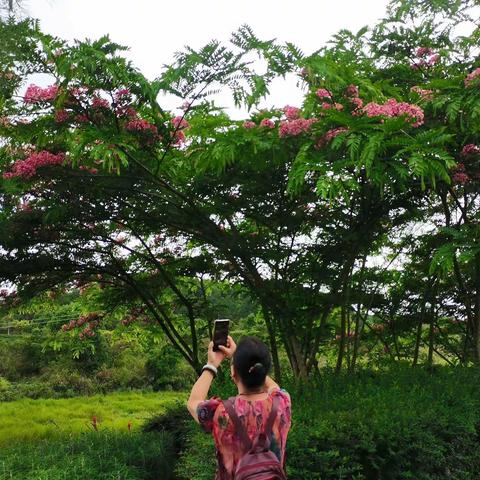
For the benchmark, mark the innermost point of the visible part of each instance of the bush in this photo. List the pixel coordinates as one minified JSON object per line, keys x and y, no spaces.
{"x":402,"y":424}
{"x":167,"y":370}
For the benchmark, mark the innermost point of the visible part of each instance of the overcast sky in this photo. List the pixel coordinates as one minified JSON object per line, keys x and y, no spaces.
{"x":154,"y":30}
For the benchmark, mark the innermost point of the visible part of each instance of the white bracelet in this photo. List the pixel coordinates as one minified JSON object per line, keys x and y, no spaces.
{"x":210,"y":367}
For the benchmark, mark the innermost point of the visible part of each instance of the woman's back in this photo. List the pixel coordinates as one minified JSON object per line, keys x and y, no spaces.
{"x":253,"y":414}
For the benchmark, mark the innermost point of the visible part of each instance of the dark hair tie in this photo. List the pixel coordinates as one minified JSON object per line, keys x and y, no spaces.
{"x":255,"y":367}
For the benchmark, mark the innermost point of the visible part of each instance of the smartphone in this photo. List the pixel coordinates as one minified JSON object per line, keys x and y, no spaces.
{"x":220,"y":333}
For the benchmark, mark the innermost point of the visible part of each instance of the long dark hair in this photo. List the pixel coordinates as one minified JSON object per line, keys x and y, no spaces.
{"x":252,"y":362}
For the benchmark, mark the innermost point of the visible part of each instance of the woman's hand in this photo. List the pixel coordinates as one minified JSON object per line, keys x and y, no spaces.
{"x":229,"y":350}
{"x":215,"y":358}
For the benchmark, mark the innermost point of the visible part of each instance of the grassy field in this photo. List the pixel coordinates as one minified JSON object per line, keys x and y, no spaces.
{"x":27,"y":420}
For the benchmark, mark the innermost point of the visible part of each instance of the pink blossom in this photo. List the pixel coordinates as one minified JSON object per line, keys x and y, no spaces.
{"x":78,"y":92}
{"x":304,"y":72}
{"x":292,"y":128}
{"x":126,"y":111}
{"x":433,"y":59}
{"x":267,"y":123}
{"x":323,"y":93}
{"x":471,"y":77}
{"x":330,"y":135}
{"x":352,"y":91}
{"x":249,"y":124}
{"x":25,"y":207}
{"x":28,"y":168}
{"x":470,"y":149}
{"x":357,"y":102}
{"x":180,"y":122}
{"x":98,"y":102}
{"x":291,"y":112}
{"x":82,"y":118}
{"x":423,"y":51}
{"x":186,"y":105}
{"x":392,"y":108}
{"x":120,"y":239}
{"x":179,"y":138}
{"x":330,"y":106}
{"x":141,"y":125}
{"x":460,"y":178}
{"x":426,"y":95}
{"x":93,"y":171}
{"x":61,"y":116}
{"x":124,"y":92}
{"x":35,"y":94}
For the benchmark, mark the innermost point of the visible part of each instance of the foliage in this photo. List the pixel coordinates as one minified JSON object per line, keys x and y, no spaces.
{"x":105,"y":190}
{"x":392,"y":425}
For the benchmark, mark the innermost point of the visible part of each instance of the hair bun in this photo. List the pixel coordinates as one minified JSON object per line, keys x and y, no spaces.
{"x":255,"y":368}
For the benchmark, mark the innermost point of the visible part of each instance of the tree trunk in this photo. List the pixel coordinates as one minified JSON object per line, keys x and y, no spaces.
{"x":418,"y":339}
{"x":273,"y":345}
{"x":341,"y":347}
{"x":476,"y":316}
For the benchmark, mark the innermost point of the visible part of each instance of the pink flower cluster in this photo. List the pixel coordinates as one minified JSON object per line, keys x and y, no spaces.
{"x":470,"y":149}
{"x":120,"y":94}
{"x":392,"y":108}
{"x":28,"y":168}
{"x":352,"y":91}
{"x":330,"y":106}
{"x":267,"y":123}
{"x":293,"y":128}
{"x":423,"y":51}
{"x":323,"y":93}
{"x":291,"y":113}
{"x":179,"y":123}
{"x":426,"y":95}
{"x":249,"y":124}
{"x":35,"y":94}
{"x":99,"y":102}
{"x":142,"y":126}
{"x":472,"y":77}
{"x":61,"y":116}
{"x":459,"y":175}
{"x":78,"y":92}
{"x":81,"y":118}
{"x":460,"y":178}
{"x":91,"y":321}
{"x":330,"y":135}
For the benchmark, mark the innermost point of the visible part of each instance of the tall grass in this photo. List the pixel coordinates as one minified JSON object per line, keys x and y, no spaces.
{"x":27,"y":420}
{"x":106,"y":455}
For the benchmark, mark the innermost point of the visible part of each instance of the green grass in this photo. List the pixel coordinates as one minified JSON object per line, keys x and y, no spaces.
{"x":28,"y":420}
{"x":106,"y":455}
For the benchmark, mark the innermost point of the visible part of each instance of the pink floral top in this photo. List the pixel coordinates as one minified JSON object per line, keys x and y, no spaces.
{"x":214,"y":419}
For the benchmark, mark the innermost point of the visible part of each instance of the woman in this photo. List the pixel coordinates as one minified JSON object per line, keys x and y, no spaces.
{"x":250,"y":365}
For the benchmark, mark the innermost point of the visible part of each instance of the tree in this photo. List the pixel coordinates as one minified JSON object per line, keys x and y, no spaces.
{"x":99,"y":180}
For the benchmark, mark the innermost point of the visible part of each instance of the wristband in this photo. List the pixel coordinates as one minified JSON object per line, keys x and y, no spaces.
{"x":210,"y":368}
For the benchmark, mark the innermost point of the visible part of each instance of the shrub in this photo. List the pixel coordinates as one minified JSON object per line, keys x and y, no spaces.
{"x":167,"y":370}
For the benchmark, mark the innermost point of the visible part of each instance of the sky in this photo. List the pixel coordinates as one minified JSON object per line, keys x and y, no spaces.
{"x":155,"y":30}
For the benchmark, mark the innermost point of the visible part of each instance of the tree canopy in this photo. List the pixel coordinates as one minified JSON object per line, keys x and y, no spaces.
{"x":382,"y":160}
